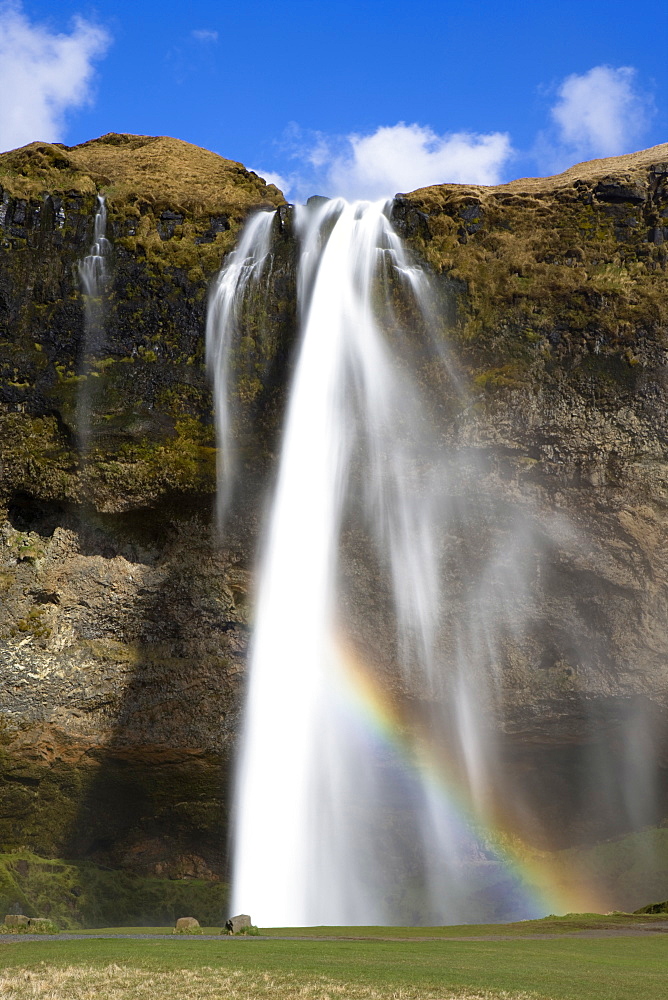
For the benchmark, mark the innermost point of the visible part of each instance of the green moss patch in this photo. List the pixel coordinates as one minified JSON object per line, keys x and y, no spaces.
{"x":553,"y":269}
{"x":79,"y":894}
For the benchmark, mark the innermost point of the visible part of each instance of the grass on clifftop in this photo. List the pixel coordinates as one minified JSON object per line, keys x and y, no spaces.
{"x":158,"y":169}
{"x":205,"y":196}
{"x":587,"y":170}
{"x":172,"y":172}
{"x":571,"y":266}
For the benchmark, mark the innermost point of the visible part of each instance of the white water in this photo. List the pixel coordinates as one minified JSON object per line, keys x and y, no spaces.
{"x":94,"y":277}
{"x":93,"y":269}
{"x":242,"y":271}
{"x":339,"y":818}
{"x":312,"y":793}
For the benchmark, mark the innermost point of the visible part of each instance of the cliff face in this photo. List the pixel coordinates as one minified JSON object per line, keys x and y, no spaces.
{"x":561,"y":327}
{"x":562,"y":320}
{"x":562,"y":316}
{"x":123,"y":625}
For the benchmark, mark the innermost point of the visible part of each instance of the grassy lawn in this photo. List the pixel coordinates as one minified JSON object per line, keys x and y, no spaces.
{"x":569,"y":924}
{"x":620,"y":968}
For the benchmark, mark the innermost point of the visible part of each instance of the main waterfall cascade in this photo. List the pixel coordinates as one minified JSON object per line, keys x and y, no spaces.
{"x":372,"y":786}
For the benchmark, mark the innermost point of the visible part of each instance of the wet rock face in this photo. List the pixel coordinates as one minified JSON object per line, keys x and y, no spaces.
{"x":122,"y":658}
{"x":124,"y":623}
{"x":561,"y":334}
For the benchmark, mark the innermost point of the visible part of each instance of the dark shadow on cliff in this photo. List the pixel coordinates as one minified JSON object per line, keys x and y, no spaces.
{"x":156,"y":799}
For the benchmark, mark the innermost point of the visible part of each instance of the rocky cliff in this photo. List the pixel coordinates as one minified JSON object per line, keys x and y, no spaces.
{"x":123,"y":627}
{"x":561,"y":287}
{"x":561,"y":321}
{"x":124,"y":621}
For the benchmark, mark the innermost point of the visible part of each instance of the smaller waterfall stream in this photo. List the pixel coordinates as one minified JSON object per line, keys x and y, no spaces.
{"x":94,"y":278}
{"x":241,"y":273}
{"x":93,"y":269}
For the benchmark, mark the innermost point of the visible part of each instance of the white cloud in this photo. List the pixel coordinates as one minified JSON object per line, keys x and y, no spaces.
{"x":404,"y":157}
{"x":598,"y":113}
{"x":393,"y":158}
{"x":43,"y":75}
{"x":205,"y":35}
{"x":602,"y":112}
{"x":282,"y":183}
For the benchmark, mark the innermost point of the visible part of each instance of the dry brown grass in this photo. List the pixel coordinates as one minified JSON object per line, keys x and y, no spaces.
{"x":142,"y":176}
{"x":548,"y":266}
{"x":631,"y":165}
{"x":171,"y":172}
{"x":156,"y":169}
{"x":121,"y":982}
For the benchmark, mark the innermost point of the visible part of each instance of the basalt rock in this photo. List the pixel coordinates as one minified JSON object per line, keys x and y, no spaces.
{"x":187,"y":925}
{"x":124,"y":621}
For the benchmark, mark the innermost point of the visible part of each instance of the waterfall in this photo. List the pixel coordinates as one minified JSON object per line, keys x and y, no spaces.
{"x":94,"y":278}
{"x":241,"y":274}
{"x":93,"y":268}
{"x":394,"y":584}
{"x":293,"y":863}
{"x":313,"y":793}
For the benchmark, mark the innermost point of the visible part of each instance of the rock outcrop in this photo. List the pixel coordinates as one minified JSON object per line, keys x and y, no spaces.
{"x":124,"y":623}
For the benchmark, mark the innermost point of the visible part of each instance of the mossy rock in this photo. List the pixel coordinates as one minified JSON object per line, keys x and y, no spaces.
{"x":553,"y":269}
{"x":174,"y":212}
{"x":654,"y":908}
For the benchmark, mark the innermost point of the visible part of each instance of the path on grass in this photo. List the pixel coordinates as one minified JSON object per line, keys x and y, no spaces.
{"x":638,"y":931}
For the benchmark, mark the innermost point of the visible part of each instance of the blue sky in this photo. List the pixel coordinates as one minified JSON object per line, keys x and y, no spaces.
{"x":353,"y":98}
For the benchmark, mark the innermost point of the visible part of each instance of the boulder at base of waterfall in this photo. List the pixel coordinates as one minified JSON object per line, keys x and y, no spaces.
{"x":18,"y":923}
{"x":42,"y":925}
{"x":238,"y":924}
{"x":187,"y":925}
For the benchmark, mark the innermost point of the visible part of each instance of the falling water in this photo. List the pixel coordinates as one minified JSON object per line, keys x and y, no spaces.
{"x":223,"y":329}
{"x":371,"y":787}
{"x":355,"y":438}
{"x":93,"y":268}
{"x":94,"y":278}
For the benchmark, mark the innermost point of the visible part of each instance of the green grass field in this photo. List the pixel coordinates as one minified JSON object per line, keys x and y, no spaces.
{"x":571,"y":923}
{"x":188,"y":968}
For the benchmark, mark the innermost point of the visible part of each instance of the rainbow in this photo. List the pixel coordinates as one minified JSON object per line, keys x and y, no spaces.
{"x":548,"y":887}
